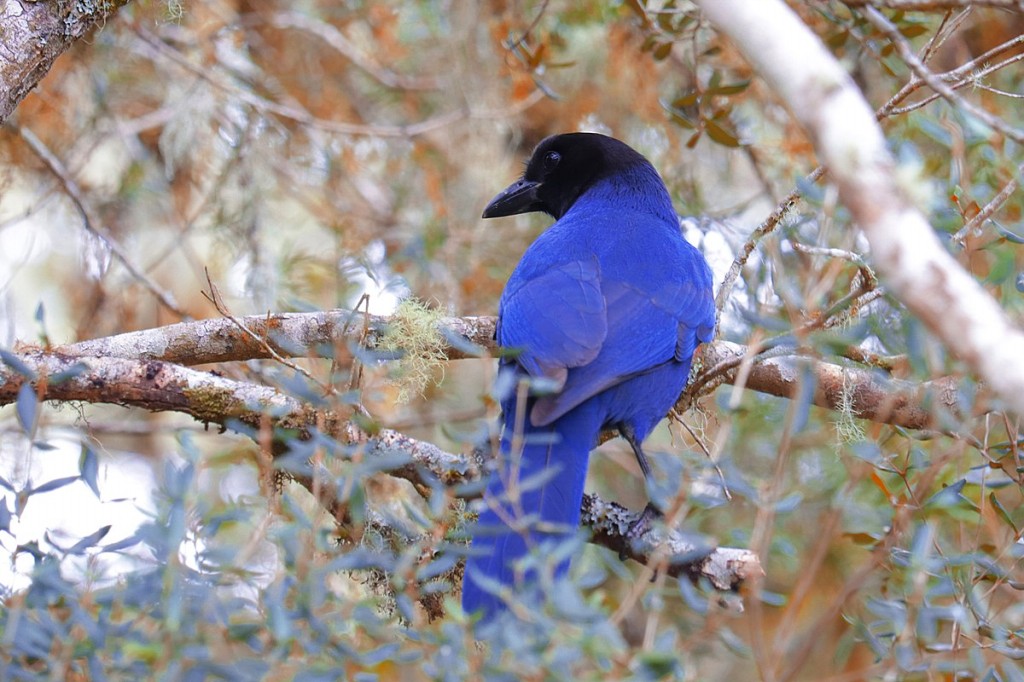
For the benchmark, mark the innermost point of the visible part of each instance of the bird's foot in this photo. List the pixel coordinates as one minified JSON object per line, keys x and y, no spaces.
{"x":643,"y":523}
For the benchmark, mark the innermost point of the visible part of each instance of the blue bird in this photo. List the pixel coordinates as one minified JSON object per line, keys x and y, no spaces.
{"x":601,"y":317}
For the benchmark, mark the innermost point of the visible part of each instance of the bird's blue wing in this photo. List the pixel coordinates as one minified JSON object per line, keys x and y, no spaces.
{"x":658,"y":316}
{"x":556,"y":319}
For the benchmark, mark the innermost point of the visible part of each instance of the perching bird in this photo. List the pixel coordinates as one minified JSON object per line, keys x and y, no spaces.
{"x":602,"y":317}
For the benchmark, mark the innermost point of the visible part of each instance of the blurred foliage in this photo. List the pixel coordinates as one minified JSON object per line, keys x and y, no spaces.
{"x":306,"y":155}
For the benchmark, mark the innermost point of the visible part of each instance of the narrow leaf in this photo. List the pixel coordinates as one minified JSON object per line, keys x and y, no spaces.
{"x":129,"y":541}
{"x":89,"y":541}
{"x":26,"y":405}
{"x":5,"y":516}
{"x":71,"y":372}
{"x":1007,"y":234}
{"x":720,"y":134}
{"x":89,"y":465}
{"x":15,"y":363}
{"x":686,"y":100}
{"x":913,"y":30}
{"x":682,"y":121}
{"x":56,"y":483}
{"x":948,"y":496}
{"x":1001,"y":510}
{"x":731,"y":89}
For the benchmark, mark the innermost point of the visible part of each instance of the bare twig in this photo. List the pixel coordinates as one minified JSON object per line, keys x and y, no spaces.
{"x":830,"y":252}
{"x":337,"y":41}
{"x":529,"y":29}
{"x":988,"y":210}
{"x":997,"y":91}
{"x":765,"y":228}
{"x":956,"y":78}
{"x":913,"y":265}
{"x":936,"y":5}
{"x":217,"y":300}
{"x":676,"y":417}
{"x":305,"y":118}
{"x":936,"y":83}
{"x":91,"y":221}
{"x":35,"y":34}
{"x":959,"y":77}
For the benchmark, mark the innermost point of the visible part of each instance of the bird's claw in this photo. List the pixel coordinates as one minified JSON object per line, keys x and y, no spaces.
{"x":641,"y":525}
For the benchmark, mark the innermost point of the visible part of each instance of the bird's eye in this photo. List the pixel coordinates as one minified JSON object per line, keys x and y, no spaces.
{"x":551,"y":160}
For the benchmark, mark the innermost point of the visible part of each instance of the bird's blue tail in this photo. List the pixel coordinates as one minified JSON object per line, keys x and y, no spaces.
{"x":532,"y":500}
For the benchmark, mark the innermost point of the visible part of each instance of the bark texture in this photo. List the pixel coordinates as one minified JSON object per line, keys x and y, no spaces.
{"x":34,"y":34}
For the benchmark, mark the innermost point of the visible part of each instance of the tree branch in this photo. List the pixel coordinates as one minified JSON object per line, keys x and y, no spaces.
{"x":162,"y":386}
{"x":34,"y":35}
{"x":870,"y":393}
{"x":936,"y":5}
{"x":914,"y":266}
{"x":934,"y":81}
{"x":91,"y":221}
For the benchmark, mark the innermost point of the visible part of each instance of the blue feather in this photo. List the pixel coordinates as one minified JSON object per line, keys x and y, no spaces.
{"x":608,"y":306}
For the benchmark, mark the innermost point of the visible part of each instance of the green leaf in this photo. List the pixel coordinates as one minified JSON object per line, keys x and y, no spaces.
{"x":682,"y":121}
{"x":88,"y":464}
{"x":715,"y":80}
{"x":5,"y":516}
{"x":951,"y":497}
{"x":731,"y":89}
{"x":54,"y":484}
{"x":720,"y":134}
{"x":913,"y":30}
{"x":89,"y":541}
{"x":15,"y":363}
{"x":1001,"y":510}
{"x":26,"y":406}
{"x":837,"y":40}
{"x":658,"y":664}
{"x":665,"y":21}
{"x":1007,"y":234}
{"x":686,"y":100}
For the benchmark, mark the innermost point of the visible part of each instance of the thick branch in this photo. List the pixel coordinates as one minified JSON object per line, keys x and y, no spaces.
{"x":292,"y":335}
{"x":937,"y":5}
{"x":156,"y":385}
{"x":724,"y":567}
{"x":34,"y":35}
{"x":911,"y":262}
{"x":868,"y":393}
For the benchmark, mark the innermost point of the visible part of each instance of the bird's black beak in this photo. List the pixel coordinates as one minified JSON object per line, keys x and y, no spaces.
{"x":519,"y":197}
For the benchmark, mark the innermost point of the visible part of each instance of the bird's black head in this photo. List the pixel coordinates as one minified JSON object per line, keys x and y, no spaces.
{"x":560,"y":170}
